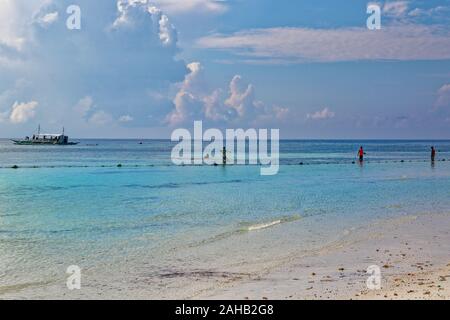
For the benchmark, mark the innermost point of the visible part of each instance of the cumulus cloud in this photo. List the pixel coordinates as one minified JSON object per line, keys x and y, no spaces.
{"x":403,"y":42}
{"x":13,"y":24}
{"x":117,"y":58}
{"x":134,"y":13}
{"x":188,"y":100}
{"x":443,"y":97}
{"x":321,"y":115}
{"x":22,"y":112}
{"x":193,"y":101}
{"x":189,"y":6}
{"x":241,"y":98}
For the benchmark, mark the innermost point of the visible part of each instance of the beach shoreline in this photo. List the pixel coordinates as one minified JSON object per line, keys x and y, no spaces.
{"x":411,"y":252}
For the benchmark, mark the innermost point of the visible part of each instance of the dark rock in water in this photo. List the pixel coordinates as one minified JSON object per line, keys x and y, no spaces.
{"x":15,"y":167}
{"x":119,"y":166}
{"x":402,"y":161}
{"x":301,"y":163}
{"x":353,"y":162}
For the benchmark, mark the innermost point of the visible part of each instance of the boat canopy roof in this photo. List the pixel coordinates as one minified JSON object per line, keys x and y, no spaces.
{"x":42,"y":135}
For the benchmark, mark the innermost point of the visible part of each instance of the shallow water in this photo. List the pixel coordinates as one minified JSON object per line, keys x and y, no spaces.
{"x":151,"y":229}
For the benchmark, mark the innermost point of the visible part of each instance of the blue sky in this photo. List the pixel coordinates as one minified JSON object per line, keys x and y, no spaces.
{"x":141,"y":68}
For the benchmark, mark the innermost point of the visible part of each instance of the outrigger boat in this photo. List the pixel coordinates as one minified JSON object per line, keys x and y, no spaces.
{"x":46,"y":139}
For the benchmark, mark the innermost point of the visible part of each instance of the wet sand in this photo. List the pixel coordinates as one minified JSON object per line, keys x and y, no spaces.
{"x":412,"y":252}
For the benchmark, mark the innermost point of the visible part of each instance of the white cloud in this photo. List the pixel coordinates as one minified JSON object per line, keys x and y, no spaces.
{"x":434,"y":12}
{"x":187,"y":102}
{"x":396,"y":8}
{"x":241,"y":97}
{"x":194,"y":101}
{"x":11,"y":27}
{"x":84,"y":106}
{"x":213,"y":106}
{"x":321,"y":115}
{"x":167,"y":32}
{"x":443,"y":97}
{"x":48,"y":19}
{"x":88,"y":111}
{"x":296,"y":45}
{"x":189,"y":6}
{"x":100,"y":118}
{"x":109,"y":67}
{"x":22,"y":112}
{"x":133,"y":12}
{"x":126,"y":118}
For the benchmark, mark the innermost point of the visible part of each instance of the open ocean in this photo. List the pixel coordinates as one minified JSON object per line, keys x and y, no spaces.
{"x":150,"y":228}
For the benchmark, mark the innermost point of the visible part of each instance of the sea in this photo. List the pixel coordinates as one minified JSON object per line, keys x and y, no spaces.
{"x":138,"y":226}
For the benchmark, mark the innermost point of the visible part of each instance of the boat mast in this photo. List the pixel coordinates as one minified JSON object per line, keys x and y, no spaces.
{"x":39,"y":129}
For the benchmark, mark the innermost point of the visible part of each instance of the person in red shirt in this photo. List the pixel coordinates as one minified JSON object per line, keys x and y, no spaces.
{"x":361,"y":154}
{"x":433,"y":154}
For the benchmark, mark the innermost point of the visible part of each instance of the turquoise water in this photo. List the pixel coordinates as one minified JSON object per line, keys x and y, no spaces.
{"x":145,"y":226}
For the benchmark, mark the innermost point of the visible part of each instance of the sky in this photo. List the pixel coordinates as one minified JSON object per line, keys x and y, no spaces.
{"x":141,"y":69}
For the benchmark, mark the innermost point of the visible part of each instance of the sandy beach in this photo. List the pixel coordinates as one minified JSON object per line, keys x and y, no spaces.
{"x":412,"y":253}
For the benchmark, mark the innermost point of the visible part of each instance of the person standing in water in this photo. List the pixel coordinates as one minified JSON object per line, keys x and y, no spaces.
{"x":433,"y":154}
{"x":224,"y":156}
{"x":361,"y":154}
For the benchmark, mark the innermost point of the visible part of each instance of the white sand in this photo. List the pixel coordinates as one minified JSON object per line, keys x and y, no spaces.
{"x":413,"y":253}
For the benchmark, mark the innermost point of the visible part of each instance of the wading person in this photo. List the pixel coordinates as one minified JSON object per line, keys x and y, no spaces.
{"x":224,"y":156}
{"x":361,"y":154}
{"x":433,"y":154}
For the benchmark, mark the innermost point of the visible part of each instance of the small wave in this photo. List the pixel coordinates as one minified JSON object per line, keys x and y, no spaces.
{"x":265,"y":225}
{"x":244,"y":229}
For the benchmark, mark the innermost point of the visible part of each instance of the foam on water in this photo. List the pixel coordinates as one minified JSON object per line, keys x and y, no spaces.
{"x":263,"y":225}
{"x":269,"y":224}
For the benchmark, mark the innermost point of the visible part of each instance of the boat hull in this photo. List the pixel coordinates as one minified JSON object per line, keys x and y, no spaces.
{"x":42,"y":143}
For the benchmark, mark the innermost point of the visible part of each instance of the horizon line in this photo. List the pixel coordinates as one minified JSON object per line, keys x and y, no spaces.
{"x":281,"y":139}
